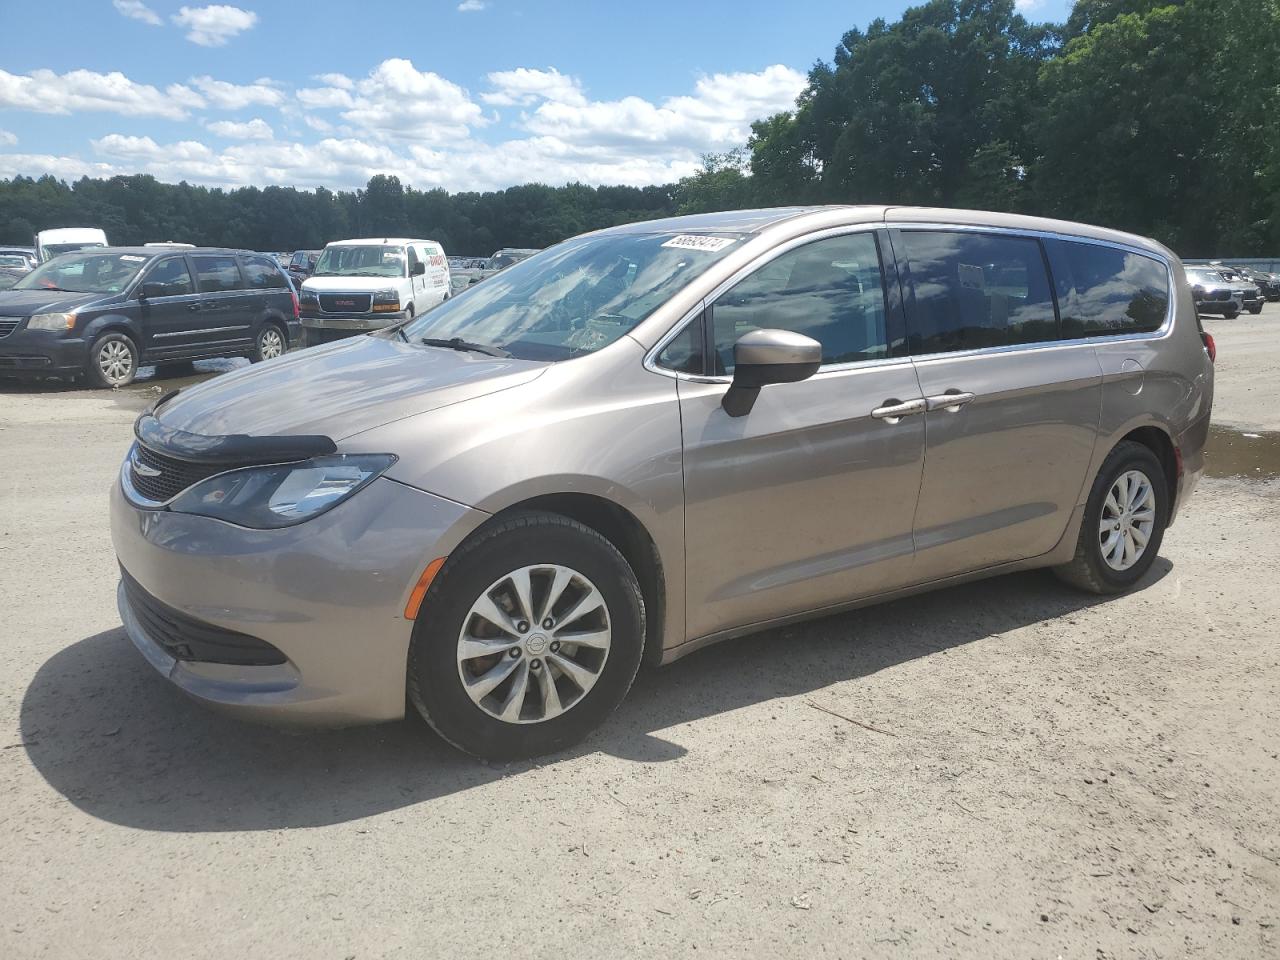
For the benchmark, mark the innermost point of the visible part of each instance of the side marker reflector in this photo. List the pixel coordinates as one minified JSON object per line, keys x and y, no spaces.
{"x":420,"y":590}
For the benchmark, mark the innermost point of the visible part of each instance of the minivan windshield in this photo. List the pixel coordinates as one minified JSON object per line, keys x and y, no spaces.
{"x":84,"y":273}
{"x":373,"y":260}
{"x":574,"y":298}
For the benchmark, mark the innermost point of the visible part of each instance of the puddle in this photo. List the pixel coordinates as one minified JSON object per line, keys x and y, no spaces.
{"x":148,"y":385}
{"x":1249,"y":454}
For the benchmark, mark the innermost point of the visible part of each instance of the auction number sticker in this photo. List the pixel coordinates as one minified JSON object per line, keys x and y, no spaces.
{"x":130,"y":258}
{"x":698,"y":242}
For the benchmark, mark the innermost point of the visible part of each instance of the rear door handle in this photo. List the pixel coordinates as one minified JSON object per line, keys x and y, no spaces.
{"x":950,"y":401}
{"x":895,"y":410}
{"x":193,"y":307}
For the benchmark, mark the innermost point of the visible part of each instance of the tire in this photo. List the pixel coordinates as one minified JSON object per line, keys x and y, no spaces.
{"x":113,"y":361}
{"x":480,"y":568}
{"x":271,"y":342}
{"x":1256,"y":310}
{"x":1231,"y":313}
{"x":1089,"y":569}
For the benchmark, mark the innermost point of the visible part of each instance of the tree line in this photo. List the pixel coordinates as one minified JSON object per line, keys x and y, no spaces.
{"x":1160,"y":117}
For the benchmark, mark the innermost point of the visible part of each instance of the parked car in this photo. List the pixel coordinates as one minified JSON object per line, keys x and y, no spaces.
{"x":50,"y":243}
{"x":1213,"y":293}
{"x":655,"y":437}
{"x":363,"y":285}
{"x":301,"y":265}
{"x":509,"y":256}
{"x":13,"y":267}
{"x":26,"y":254}
{"x":1268,"y":284}
{"x":101,"y":313}
{"x":1250,"y":294}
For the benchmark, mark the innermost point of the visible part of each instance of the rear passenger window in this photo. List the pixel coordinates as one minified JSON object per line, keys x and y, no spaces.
{"x":831,"y":290}
{"x":173,"y":275}
{"x":261,"y":274}
{"x":216,"y":274}
{"x":974,"y":290}
{"x":1111,"y":291}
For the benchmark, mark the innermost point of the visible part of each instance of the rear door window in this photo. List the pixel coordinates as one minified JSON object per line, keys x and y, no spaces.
{"x":261,"y":274}
{"x":173,"y":275}
{"x":1108,"y":290}
{"x":973,"y":290}
{"x":831,"y":290}
{"x":216,"y":274}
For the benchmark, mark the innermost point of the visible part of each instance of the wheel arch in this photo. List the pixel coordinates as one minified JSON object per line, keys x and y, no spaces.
{"x":625,"y":531}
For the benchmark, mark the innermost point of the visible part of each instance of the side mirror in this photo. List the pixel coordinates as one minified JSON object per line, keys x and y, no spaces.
{"x":762,"y":357}
{"x":152,"y":290}
{"x":418,"y":269}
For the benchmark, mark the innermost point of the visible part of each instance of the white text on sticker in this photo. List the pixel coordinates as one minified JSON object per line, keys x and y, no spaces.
{"x":695,"y":242}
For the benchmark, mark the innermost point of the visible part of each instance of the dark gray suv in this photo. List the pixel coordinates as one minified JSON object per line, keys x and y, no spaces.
{"x":102,"y":313}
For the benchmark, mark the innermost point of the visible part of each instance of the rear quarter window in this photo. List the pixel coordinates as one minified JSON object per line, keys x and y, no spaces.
{"x":1106,"y":290}
{"x":261,"y":274}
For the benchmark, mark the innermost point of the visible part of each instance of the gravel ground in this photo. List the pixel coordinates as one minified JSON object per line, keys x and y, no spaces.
{"x":1003,"y":769}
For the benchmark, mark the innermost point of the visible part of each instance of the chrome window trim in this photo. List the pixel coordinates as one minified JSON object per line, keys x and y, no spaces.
{"x":1163,"y":331}
{"x":192,"y":333}
{"x":767,"y":256}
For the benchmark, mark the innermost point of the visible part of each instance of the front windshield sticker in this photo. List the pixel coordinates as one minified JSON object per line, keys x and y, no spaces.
{"x":130,"y":258}
{"x":695,"y":242}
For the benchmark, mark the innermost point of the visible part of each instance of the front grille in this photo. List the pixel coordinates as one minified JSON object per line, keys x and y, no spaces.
{"x":8,"y":325}
{"x":173,"y":475}
{"x":185,"y":638}
{"x":346,"y":302}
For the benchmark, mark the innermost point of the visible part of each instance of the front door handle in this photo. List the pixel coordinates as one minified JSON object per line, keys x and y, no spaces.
{"x":193,"y":307}
{"x":894,"y":410}
{"x":951,"y":401}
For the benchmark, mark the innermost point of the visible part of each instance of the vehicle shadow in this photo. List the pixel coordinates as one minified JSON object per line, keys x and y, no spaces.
{"x":123,"y":745}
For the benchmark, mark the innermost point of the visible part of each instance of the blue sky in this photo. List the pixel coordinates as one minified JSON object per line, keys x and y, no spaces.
{"x":467,"y":94}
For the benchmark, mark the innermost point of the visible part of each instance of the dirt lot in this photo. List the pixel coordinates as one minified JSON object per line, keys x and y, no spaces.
{"x":1049,"y":775}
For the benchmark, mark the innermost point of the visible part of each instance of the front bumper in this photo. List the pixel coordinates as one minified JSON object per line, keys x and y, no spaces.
{"x":329,"y":594}
{"x":358,"y":322}
{"x":42,"y":353}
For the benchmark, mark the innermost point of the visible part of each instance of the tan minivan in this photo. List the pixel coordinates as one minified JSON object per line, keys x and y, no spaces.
{"x":654,"y":437}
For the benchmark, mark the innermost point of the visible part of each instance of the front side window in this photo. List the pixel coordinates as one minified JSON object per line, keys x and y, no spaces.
{"x":1113,"y":291}
{"x":576,"y":297}
{"x":364,"y":260}
{"x":85,"y":273}
{"x":217,"y":274}
{"x":261,"y":274}
{"x":684,"y":353}
{"x":975,"y":290}
{"x":172,"y":275}
{"x":831,"y":290}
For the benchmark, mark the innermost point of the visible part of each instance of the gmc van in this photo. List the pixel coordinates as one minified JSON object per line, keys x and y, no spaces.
{"x":363,"y":285}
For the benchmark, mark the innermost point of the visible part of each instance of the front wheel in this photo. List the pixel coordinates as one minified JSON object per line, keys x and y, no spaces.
{"x":1255,"y":310}
{"x":271,"y":343}
{"x":1123,"y":524}
{"x":1231,"y":313}
{"x":113,"y":361}
{"x":528,"y":639}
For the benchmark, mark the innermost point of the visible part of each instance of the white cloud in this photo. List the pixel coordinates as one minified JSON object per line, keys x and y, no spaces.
{"x":523,"y":86}
{"x":64,"y":168}
{"x":7,"y":139}
{"x":1026,"y":6}
{"x":471,"y":6}
{"x":255,"y":129}
{"x":43,"y":91}
{"x":324,"y":98}
{"x":317,"y":124}
{"x":214,"y":25}
{"x":233,"y":96}
{"x":397,"y":101}
{"x":137,"y":10}
{"x":340,"y":80}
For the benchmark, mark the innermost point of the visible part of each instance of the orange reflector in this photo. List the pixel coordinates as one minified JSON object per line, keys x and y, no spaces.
{"x":420,"y":591}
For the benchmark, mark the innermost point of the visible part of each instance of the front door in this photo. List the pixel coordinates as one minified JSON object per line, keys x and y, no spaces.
{"x":1012,"y":410}
{"x":808,"y":499}
{"x":170,"y":309}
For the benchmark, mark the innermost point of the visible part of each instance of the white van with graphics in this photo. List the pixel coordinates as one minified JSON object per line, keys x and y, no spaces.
{"x":362,"y":285}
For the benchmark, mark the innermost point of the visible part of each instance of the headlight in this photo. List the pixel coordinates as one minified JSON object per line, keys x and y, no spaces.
{"x":52,"y":321}
{"x":265,"y":498}
{"x":309,"y":297}
{"x":386,"y":301}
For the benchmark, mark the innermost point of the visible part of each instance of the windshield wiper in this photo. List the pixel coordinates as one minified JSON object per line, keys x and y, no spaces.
{"x":457,"y":343}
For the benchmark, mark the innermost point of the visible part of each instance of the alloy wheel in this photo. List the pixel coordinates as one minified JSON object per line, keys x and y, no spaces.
{"x":272,"y":344}
{"x":1127,"y":521}
{"x":115,"y":360}
{"x":534,"y":643}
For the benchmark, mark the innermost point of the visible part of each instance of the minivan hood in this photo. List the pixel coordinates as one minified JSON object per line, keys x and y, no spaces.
{"x":24,"y":303}
{"x":340,"y":389}
{"x":350,"y":284}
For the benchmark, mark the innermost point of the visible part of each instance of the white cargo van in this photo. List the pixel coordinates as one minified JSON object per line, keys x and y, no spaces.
{"x":50,"y":243}
{"x":362,"y":285}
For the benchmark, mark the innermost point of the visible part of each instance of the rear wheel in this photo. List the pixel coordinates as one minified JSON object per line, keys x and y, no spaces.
{"x":113,"y":361}
{"x":529,"y":637}
{"x":271,"y":343}
{"x":1123,"y":524}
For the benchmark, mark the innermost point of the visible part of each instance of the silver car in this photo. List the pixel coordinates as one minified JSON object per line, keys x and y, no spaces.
{"x":654,"y":437}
